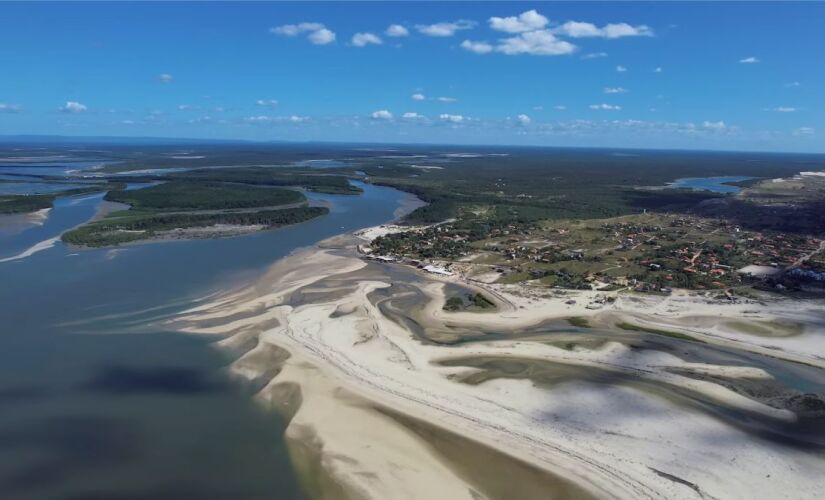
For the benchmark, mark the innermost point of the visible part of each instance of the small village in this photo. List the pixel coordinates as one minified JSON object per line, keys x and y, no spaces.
{"x":651,"y":253}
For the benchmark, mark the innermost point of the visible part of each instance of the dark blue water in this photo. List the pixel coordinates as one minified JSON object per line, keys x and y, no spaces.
{"x":93,"y":405}
{"x":714,"y":184}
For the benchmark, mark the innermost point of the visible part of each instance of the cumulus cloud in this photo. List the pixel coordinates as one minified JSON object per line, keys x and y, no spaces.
{"x":412,"y":116}
{"x":446,"y":99}
{"x":606,"y":107}
{"x":296,"y":29}
{"x":73,"y":107}
{"x":560,"y":107}
{"x":537,"y":43}
{"x":523,"y":119}
{"x":418,"y":97}
{"x":10,"y":108}
{"x":784,"y":109}
{"x":444,"y":29}
{"x":186,"y":107}
{"x":321,"y":37}
{"x":749,"y":60}
{"x":615,"y":90}
{"x":594,"y":55}
{"x":396,"y":30}
{"x":364,"y":39}
{"x":316,"y":33}
{"x":526,"y":21}
{"x":267,"y":103}
{"x":621,"y":69}
{"x":165,"y":78}
{"x":451,"y":118}
{"x":381,"y":114}
{"x":576,"y":29}
{"x":477,"y":47}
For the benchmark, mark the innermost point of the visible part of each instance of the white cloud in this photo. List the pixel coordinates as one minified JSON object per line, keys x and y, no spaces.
{"x":560,"y":107}
{"x":267,"y":103}
{"x":749,"y":60}
{"x":321,"y":37}
{"x":720,"y":125}
{"x":364,"y":39}
{"x":576,"y":29}
{"x":523,"y":119}
{"x":165,"y":78}
{"x":186,"y":107}
{"x":296,"y":29}
{"x":418,"y":97}
{"x":444,"y":29}
{"x":276,"y":119}
{"x":606,"y":107}
{"x":446,"y":99}
{"x":10,"y":108}
{"x":412,"y":116}
{"x":477,"y":47}
{"x":538,"y":108}
{"x":526,"y":21}
{"x":658,"y":70}
{"x":784,"y":109}
{"x":317,"y":33}
{"x":621,"y":69}
{"x":615,"y":90}
{"x":127,"y":122}
{"x":396,"y":30}
{"x":803,"y":131}
{"x":73,"y":107}
{"x":537,"y":43}
{"x":382,"y":114}
{"x":451,"y":118}
{"x":594,"y":55}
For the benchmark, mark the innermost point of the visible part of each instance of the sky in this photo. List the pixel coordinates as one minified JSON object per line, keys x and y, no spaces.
{"x":728,"y":76}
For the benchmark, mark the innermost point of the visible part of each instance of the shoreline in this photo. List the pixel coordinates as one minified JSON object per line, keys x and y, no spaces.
{"x":345,"y":357}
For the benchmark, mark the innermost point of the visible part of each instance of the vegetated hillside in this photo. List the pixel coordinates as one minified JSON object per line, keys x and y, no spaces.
{"x":204,"y":196}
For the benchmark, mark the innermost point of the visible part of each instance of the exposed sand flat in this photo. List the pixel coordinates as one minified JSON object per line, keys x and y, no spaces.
{"x":15,"y":223}
{"x":37,"y":247}
{"x":643,"y":438}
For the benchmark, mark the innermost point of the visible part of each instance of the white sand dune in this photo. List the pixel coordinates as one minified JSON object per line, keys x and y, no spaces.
{"x":617,"y":441}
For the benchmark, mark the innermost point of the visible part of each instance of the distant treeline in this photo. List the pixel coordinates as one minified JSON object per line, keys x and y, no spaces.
{"x":179,"y":195}
{"x":261,"y":176}
{"x":115,"y":230}
{"x":21,"y":203}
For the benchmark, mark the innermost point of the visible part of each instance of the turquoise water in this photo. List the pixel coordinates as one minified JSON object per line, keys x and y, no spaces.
{"x":93,"y":404}
{"x":714,"y":184}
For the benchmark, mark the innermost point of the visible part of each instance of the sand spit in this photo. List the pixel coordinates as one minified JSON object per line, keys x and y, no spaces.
{"x":320,"y":342}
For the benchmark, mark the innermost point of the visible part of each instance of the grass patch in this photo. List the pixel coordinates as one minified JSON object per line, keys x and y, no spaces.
{"x":666,"y":333}
{"x":579,"y":321}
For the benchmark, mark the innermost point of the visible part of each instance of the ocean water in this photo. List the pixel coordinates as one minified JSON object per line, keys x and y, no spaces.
{"x":93,"y":404}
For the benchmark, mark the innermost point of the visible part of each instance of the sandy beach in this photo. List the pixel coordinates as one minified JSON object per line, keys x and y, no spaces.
{"x":388,"y":399}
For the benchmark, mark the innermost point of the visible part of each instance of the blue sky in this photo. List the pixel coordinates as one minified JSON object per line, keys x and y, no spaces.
{"x":742,"y":76}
